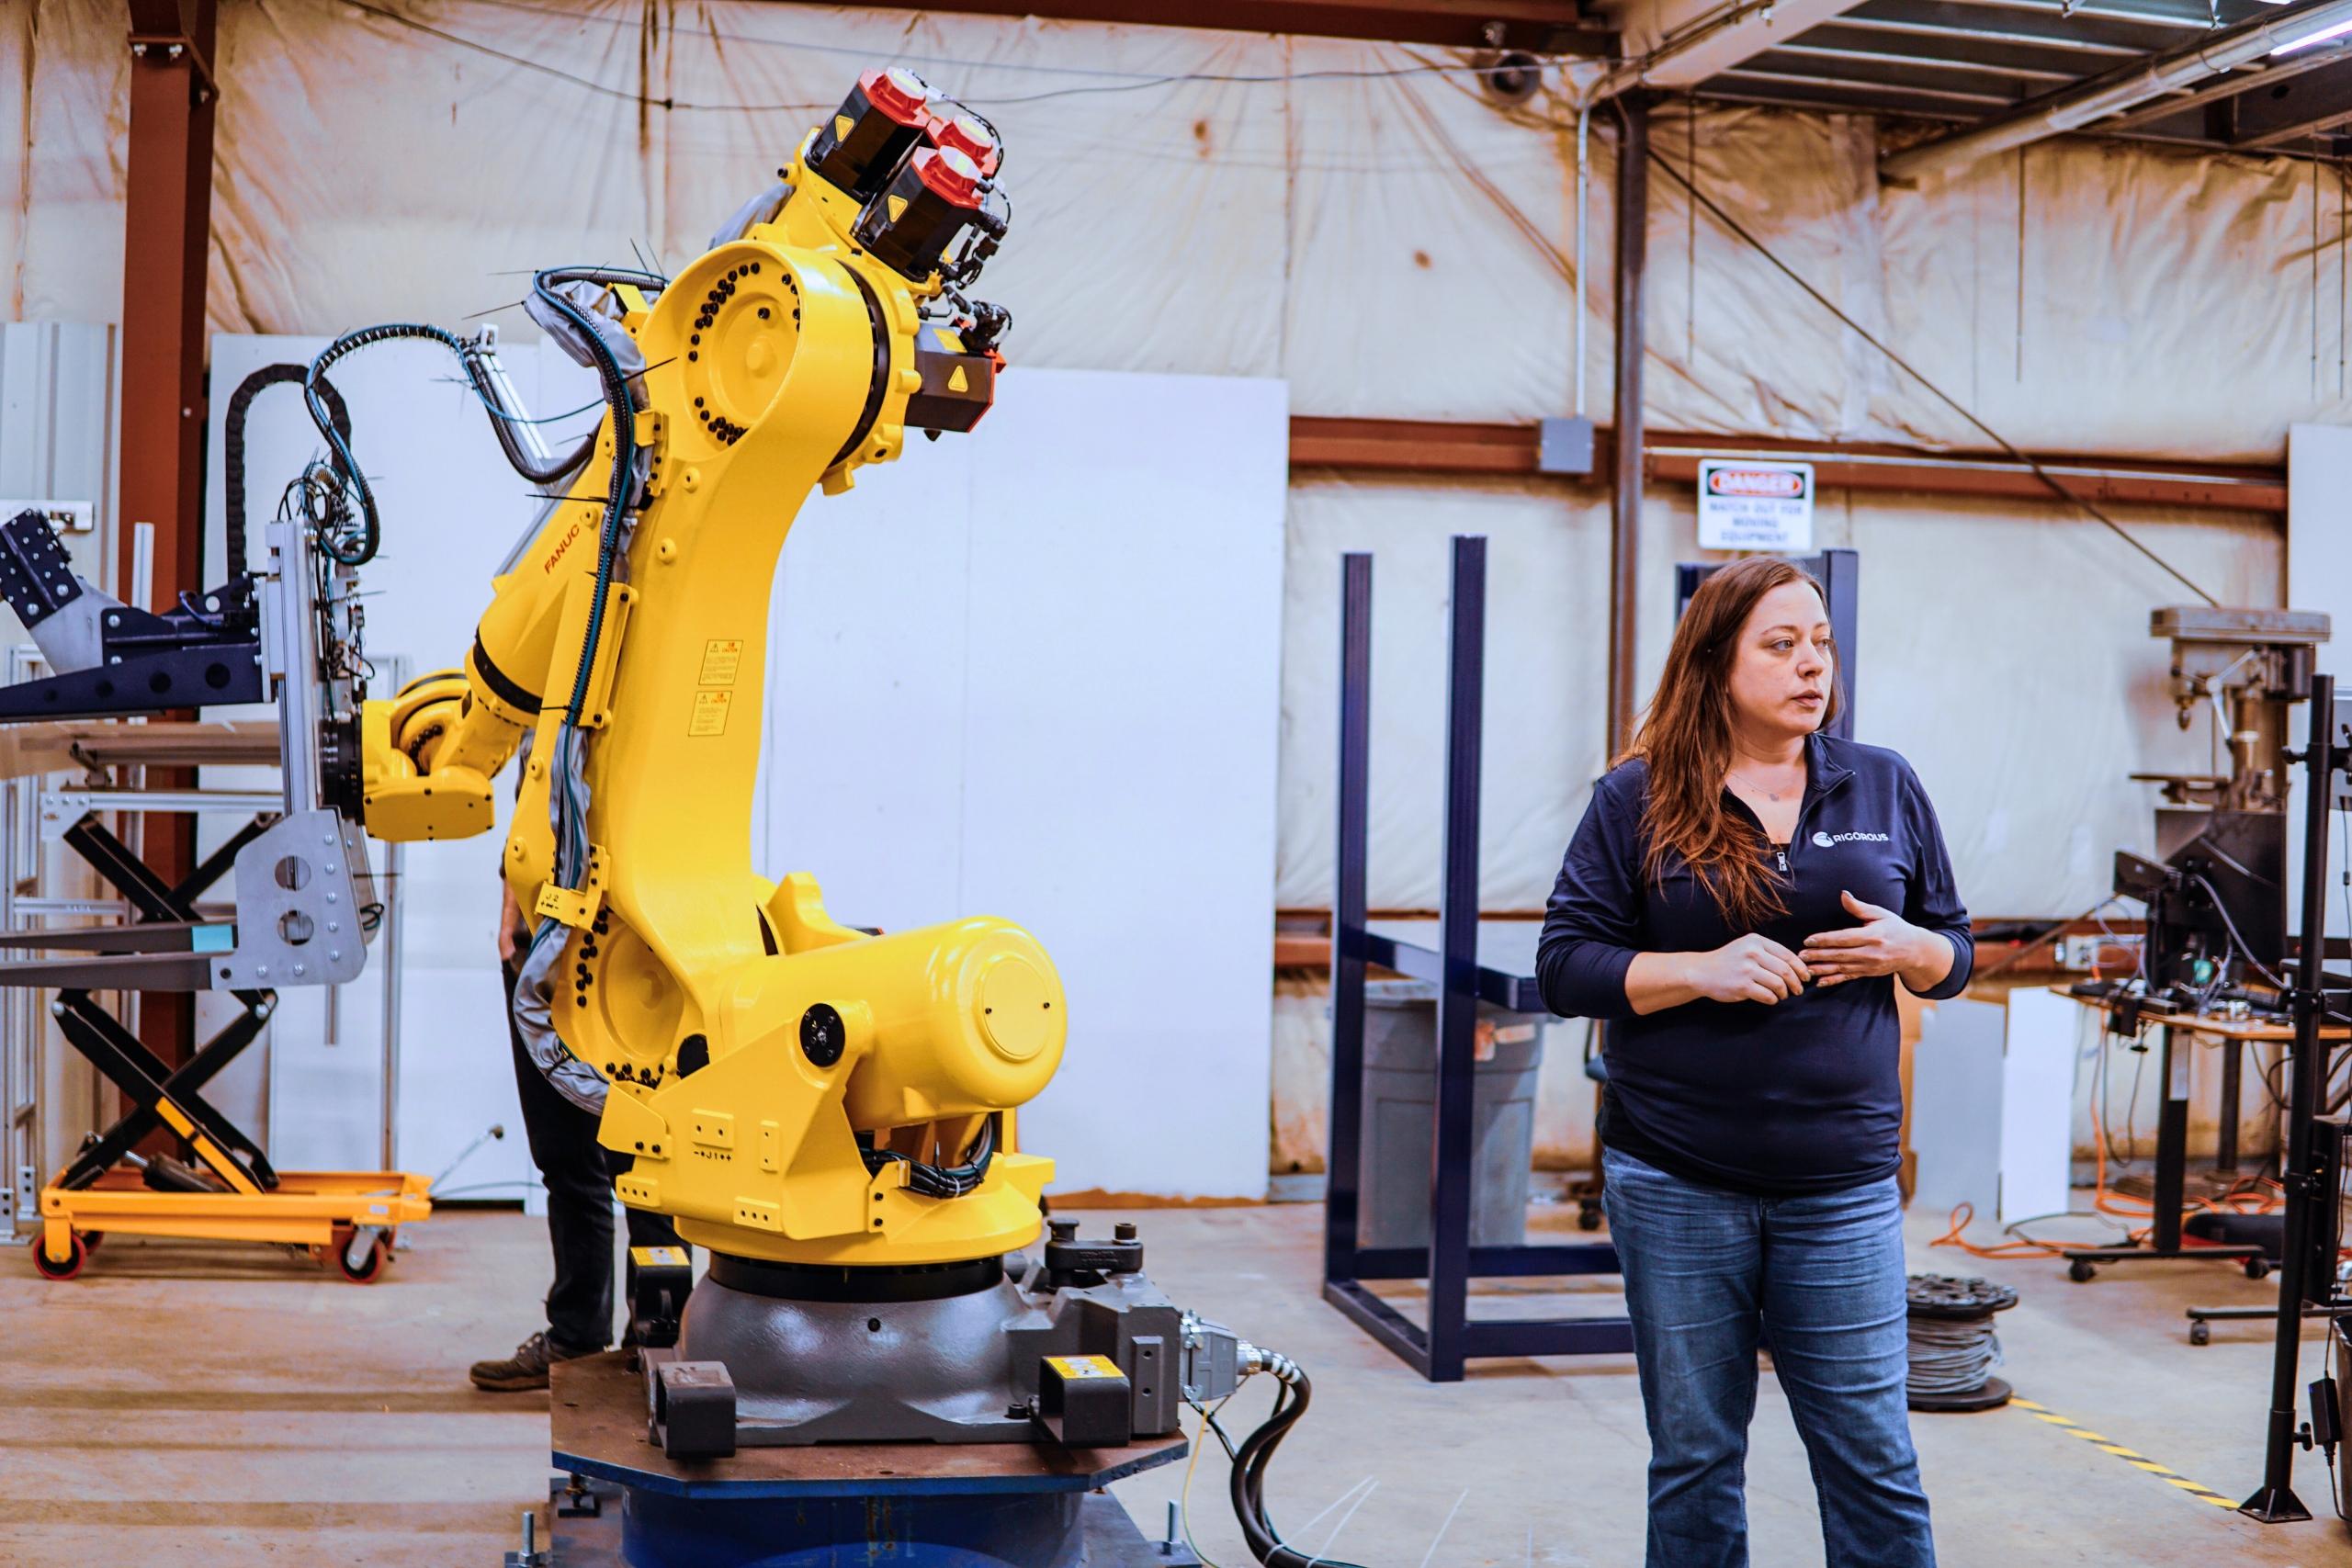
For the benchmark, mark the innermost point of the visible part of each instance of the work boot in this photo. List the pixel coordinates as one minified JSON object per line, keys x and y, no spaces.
{"x":526,"y":1368}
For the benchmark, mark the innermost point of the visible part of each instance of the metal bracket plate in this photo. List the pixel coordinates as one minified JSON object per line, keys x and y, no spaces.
{"x":577,"y":906}
{"x":301,"y":911}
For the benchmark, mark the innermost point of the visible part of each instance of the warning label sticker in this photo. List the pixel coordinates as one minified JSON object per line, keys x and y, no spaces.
{"x":1085,"y":1366}
{"x":721,"y":657}
{"x":710,"y":713}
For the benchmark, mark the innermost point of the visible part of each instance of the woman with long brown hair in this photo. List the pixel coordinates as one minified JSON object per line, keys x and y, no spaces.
{"x":1738,"y":902}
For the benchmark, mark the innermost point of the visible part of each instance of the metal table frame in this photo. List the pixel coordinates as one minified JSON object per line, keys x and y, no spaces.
{"x":2169,"y":1199}
{"x":1438,"y":1351}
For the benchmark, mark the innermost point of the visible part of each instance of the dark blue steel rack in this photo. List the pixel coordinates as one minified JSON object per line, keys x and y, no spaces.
{"x":1438,"y":1350}
{"x":1450,"y":1339}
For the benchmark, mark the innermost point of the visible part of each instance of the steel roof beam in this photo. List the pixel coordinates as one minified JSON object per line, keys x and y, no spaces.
{"x":1681,"y":43}
{"x":1879,"y":96}
{"x":2121,"y":90}
{"x":1952,"y":19}
{"x":1551,"y":26}
{"x":2314,"y":101}
{"x":1839,"y":41}
{"x":2053,"y":66}
{"x":1732,"y":88}
{"x":1900,"y":75}
{"x":2176,"y":16}
{"x":2228,"y":87}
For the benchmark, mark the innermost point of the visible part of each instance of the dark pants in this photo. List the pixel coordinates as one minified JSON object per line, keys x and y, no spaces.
{"x":579,"y":1174}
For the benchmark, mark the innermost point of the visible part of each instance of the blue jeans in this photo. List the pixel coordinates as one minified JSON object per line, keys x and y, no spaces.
{"x":1706,"y":1273}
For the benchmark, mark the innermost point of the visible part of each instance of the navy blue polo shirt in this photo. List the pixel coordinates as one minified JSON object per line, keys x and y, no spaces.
{"x":1800,"y":1097}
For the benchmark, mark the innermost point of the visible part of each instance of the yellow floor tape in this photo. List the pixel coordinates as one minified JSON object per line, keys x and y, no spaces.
{"x":2136,"y":1460}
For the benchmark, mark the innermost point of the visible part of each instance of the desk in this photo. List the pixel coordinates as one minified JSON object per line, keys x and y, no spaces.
{"x":1506,"y":959}
{"x":2172,"y":1133}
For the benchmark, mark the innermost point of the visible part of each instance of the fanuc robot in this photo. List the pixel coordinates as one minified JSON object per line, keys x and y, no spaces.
{"x":832,"y":1112}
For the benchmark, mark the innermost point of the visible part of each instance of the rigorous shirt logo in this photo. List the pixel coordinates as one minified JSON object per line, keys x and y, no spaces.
{"x":1830,"y":841}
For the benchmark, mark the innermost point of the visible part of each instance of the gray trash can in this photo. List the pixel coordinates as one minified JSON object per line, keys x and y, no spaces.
{"x":1399,"y":1112}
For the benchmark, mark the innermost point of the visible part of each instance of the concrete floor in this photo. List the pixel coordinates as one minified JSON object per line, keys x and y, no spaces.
{"x":184,"y":1405}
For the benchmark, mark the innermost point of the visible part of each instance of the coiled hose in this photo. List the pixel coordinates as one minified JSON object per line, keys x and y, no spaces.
{"x":1953,"y":1349}
{"x":1256,"y":1452}
{"x":1950,"y":1357}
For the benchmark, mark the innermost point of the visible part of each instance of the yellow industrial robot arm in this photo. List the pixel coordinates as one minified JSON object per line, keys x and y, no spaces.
{"x":788,"y":1087}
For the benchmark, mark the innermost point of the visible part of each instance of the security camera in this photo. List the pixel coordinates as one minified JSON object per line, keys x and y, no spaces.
{"x":1512,"y":78}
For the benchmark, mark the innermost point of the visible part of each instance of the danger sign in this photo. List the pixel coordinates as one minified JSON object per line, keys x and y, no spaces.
{"x":1744,"y":504}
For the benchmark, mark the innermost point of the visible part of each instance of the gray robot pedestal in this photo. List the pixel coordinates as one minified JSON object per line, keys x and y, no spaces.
{"x":915,"y":1505}
{"x":952,"y":1354}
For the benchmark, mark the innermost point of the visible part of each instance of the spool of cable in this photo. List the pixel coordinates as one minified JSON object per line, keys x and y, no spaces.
{"x":1953,"y":1348}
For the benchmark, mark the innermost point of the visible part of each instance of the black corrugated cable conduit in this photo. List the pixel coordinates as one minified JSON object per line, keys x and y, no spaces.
{"x":233,"y":444}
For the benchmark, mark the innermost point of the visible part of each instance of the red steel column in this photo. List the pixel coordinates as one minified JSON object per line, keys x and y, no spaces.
{"x":167,"y":225}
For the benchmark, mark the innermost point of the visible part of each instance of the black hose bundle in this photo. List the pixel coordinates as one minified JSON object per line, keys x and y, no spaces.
{"x":1256,"y":1452}
{"x":339,"y":482}
{"x":615,"y":383}
{"x":336,"y":484}
{"x":502,"y":420}
{"x":233,"y":444}
{"x":938,"y":1180}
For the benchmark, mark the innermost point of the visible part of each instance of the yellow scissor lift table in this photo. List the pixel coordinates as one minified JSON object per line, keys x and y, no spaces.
{"x":346,"y":1218}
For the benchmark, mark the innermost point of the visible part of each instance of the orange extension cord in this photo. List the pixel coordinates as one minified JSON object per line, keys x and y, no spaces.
{"x":2258,"y":1197}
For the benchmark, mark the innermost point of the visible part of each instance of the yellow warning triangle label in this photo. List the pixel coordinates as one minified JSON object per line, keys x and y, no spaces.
{"x":842,"y":125}
{"x":898,"y":206}
{"x":957,"y":381}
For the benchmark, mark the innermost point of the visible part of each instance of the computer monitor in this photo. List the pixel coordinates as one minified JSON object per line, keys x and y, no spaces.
{"x":2218,"y":893}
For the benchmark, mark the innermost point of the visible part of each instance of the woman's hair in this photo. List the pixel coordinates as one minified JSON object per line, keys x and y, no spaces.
{"x":1685,"y":737}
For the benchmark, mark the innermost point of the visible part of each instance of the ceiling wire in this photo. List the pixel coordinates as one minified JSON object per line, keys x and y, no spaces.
{"x":626,"y":95}
{"x":1129,"y":85}
{"x":1422,"y":68}
{"x":1740,"y":232}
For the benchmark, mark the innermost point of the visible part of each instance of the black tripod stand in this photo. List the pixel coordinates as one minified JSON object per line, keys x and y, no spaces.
{"x":2310,"y":1170}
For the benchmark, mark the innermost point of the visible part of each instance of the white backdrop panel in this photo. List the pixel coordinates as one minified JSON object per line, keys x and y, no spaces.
{"x":1041,"y":680}
{"x":2319,"y":576}
{"x":863,"y":767}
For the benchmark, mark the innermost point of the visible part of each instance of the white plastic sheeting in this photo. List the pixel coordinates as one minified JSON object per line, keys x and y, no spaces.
{"x":1392,"y":246}
{"x":1389,"y":243}
{"x":2001,"y":648}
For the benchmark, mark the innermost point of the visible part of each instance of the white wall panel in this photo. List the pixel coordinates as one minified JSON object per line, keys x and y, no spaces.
{"x":1037,"y":678}
{"x":2319,"y":576}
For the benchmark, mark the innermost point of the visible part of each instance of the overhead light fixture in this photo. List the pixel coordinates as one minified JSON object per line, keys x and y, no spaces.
{"x":2334,"y":30}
